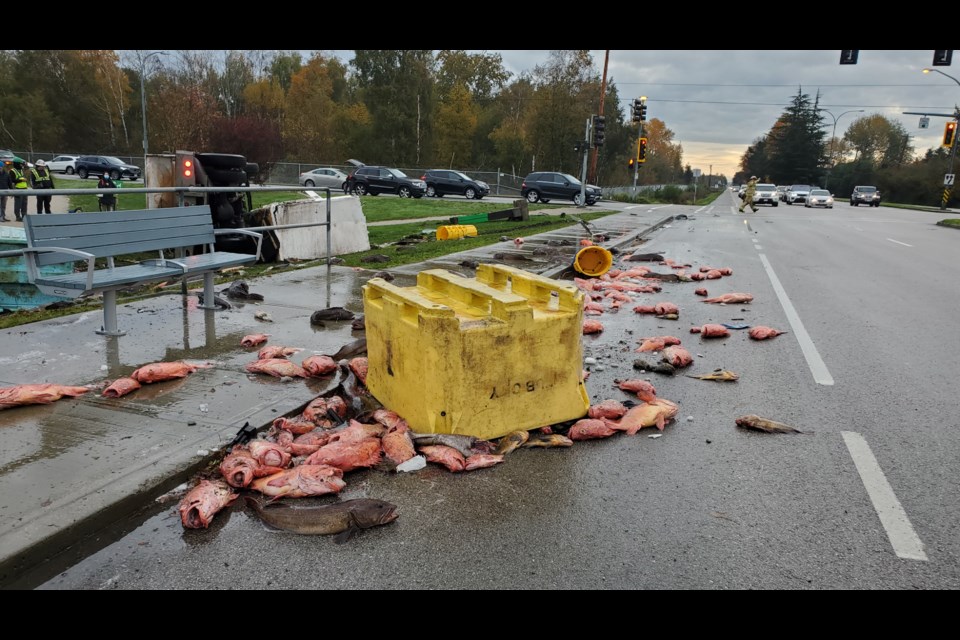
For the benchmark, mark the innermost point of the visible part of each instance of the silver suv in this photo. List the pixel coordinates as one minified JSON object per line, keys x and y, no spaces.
{"x":798,"y":193}
{"x":865,"y":195}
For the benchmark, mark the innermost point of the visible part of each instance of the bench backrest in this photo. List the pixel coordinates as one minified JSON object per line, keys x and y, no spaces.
{"x":115,"y":233}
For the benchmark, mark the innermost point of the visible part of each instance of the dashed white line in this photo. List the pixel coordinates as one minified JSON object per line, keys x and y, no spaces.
{"x":821,"y":375}
{"x":905,"y":541}
{"x":898,"y":242}
{"x":758,"y":247}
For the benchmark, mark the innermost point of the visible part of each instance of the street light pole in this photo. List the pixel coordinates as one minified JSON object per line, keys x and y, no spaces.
{"x":143,"y":103}
{"x":953,"y":145}
{"x":833,"y":137}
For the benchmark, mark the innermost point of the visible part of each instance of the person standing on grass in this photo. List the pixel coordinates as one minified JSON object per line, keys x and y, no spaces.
{"x":108,"y":201}
{"x":41,"y":179}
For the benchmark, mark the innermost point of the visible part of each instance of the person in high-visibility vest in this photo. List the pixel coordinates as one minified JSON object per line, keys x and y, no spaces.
{"x":19,"y":180}
{"x":6,"y":182}
{"x":41,"y":179}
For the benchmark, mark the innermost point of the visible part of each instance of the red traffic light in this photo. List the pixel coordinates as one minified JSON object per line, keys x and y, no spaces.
{"x":949,"y":133}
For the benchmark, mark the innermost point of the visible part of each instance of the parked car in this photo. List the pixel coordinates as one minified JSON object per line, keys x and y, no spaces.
{"x":819,"y":198}
{"x":798,"y":193}
{"x":544,"y":186}
{"x":110,"y":166}
{"x":373,"y":181}
{"x":442,"y":182}
{"x":63,"y":164}
{"x":324,"y":177}
{"x":782,"y":193}
{"x":9,"y":157}
{"x":766,"y":194}
{"x":865,"y":195}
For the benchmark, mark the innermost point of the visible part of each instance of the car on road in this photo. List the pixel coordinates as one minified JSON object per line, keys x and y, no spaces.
{"x":865,"y":195}
{"x":444,"y":182}
{"x":63,"y":164}
{"x":9,"y":157}
{"x":782,"y":193}
{"x":324,"y":177}
{"x":110,"y":166}
{"x":367,"y":180}
{"x":798,"y":193}
{"x":819,"y":198}
{"x":544,"y":186}
{"x":766,"y":194}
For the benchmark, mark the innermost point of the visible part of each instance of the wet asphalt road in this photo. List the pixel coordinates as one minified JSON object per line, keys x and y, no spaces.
{"x":867,"y":371}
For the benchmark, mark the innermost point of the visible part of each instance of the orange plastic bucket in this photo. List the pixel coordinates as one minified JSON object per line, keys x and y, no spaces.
{"x":455,"y":231}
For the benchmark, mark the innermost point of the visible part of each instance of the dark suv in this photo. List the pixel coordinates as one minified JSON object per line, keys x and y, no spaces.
{"x":442,"y":182}
{"x":376,"y":180}
{"x":544,"y":186}
{"x":109,"y":166}
{"x":865,"y":195}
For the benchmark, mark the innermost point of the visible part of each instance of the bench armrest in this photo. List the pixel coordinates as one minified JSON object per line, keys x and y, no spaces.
{"x":89,"y":257}
{"x":255,"y":234}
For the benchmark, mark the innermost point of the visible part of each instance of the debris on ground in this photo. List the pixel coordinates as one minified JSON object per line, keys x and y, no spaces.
{"x":764,"y":424}
{"x":761,"y":332}
{"x":719,"y":375}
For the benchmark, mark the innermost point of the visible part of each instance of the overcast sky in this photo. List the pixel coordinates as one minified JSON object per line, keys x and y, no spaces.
{"x":719,"y":102}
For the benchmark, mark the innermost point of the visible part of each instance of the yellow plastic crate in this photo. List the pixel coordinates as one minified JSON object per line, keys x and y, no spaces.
{"x":480,"y":357}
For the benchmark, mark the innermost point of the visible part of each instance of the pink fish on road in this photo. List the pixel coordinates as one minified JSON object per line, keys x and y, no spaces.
{"x":161,"y":371}
{"x":319,"y":365}
{"x":120,"y":387}
{"x":644,"y":390}
{"x":44,"y":393}
{"x":607,"y":409}
{"x":201,"y":503}
{"x":657,"y":343}
{"x":398,"y":444}
{"x":277,"y":367}
{"x":761,"y":332}
{"x":348,"y":456}
{"x":592,"y":326}
{"x":441,"y":454}
{"x":590,"y":429}
{"x":731,"y":298}
{"x":318,"y":410}
{"x":482,"y":461}
{"x":301,"y":481}
{"x":240,"y":467}
{"x":269,"y":454}
{"x":677,"y":356}
{"x":277,"y":351}
{"x":711,"y":331}
{"x":650,"y":414}
{"x":359,"y":368}
{"x":254,"y":339}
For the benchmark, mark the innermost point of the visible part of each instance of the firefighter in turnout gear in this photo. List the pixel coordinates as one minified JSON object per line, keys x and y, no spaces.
{"x":749,"y":194}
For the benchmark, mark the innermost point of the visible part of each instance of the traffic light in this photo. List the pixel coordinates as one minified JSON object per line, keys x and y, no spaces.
{"x":849,"y":56}
{"x":599,"y":126}
{"x":643,"y":112}
{"x":631,"y":163}
{"x":642,"y":150}
{"x":637,"y":110}
{"x":949,"y":133}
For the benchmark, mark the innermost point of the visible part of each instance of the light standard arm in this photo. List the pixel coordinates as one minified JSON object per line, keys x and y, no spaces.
{"x":833,"y":138}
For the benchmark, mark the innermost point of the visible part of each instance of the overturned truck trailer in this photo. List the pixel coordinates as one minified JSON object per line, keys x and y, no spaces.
{"x":228,"y":209}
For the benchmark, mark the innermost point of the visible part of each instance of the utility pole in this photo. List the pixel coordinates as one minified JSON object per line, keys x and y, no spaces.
{"x":603,"y":93}
{"x":583,"y":175}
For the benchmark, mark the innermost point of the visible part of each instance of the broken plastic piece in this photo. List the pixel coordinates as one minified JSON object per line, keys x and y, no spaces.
{"x":413,"y":464}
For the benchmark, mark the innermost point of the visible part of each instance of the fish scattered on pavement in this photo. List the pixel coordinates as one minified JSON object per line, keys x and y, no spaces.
{"x":263,"y":316}
{"x":254,"y":339}
{"x":677,"y":356}
{"x":43,"y":393}
{"x":241,"y":291}
{"x":266,"y":353}
{"x":359,"y":324}
{"x":511,"y":442}
{"x":607,"y":409}
{"x":592,"y":326}
{"x":711,"y":330}
{"x":644,"y":390}
{"x":482,"y":461}
{"x":648,"y":414}
{"x":356,"y":348}
{"x":720,"y":375}
{"x":277,"y":367}
{"x":547,"y":441}
{"x":201,"y":503}
{"x":121,"y":387}
{"x":386,"y":275}
{"x":451,"y":458}
{"x":762,"y":333}
{"x":217,"y":301}
{"x":731,"y":298}
{"x":657,"y":367}
{"x":160,"y":371}
{"x":342,"y":519}
{"x":644,"y":257}
{"x":764,"y":424}
{"x":331,"y":313}
{"x":359,"y":366}
{"x":319,"y":365}
{"x":301,"y":481}
{"x":463,"y":444}
{"x":590,"y":429}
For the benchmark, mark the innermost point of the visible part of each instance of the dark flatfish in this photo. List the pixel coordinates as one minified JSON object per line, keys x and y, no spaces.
{"x":470,"y":264}
{"x":645,"y":257}
{"x":356,"y":348}
{"x":358,"y":324}
{"x":463,"y":444}
{"x":376,"y":257}
{"x":342,"y":519}
{"x":217,"y":300}
{"x":241,"y":290}
{"x":331,"y":313}
{"x":386,"y":275}
{"x":665,"y":277}
{"x":507,"y":255}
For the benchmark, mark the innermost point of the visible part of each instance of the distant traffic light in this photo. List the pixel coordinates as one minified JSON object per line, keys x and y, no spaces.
{"x":849,"y":56}
{"x":949,"y":133}
{"x":599,"y":130}
{"x":642,"y":150}
{"x":631,"y":163}
{"x":637,"y":110}
{"x":643,"y":112}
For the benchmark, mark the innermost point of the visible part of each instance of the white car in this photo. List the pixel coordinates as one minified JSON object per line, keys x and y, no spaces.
{"x":63,"y":164}
{"x":798,"y":193}
{"x":819,"y":198}
{"x":766,"y":194}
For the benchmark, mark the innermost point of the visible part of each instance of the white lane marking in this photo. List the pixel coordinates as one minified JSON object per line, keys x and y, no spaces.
{"x":821,"y":375}
{"x":759,"y":247}
{"x":898,"y":242}
{"x":633,"y":206}
{"x":906,"y":544}
{"x":754,"y":240}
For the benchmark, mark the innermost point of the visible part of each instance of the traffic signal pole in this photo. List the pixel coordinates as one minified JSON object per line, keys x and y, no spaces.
{"x":583,"y":174}
{"x":953,"y":155}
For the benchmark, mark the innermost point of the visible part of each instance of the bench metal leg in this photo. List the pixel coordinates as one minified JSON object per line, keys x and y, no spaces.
{"x":208,"y":292}
{"x":110,"y":315}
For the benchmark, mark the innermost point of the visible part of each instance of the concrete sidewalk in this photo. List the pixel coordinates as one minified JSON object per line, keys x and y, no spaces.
{"x":72,"y":468}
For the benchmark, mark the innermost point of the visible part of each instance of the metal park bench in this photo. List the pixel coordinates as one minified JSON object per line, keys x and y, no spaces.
{"x":72,"y":237}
